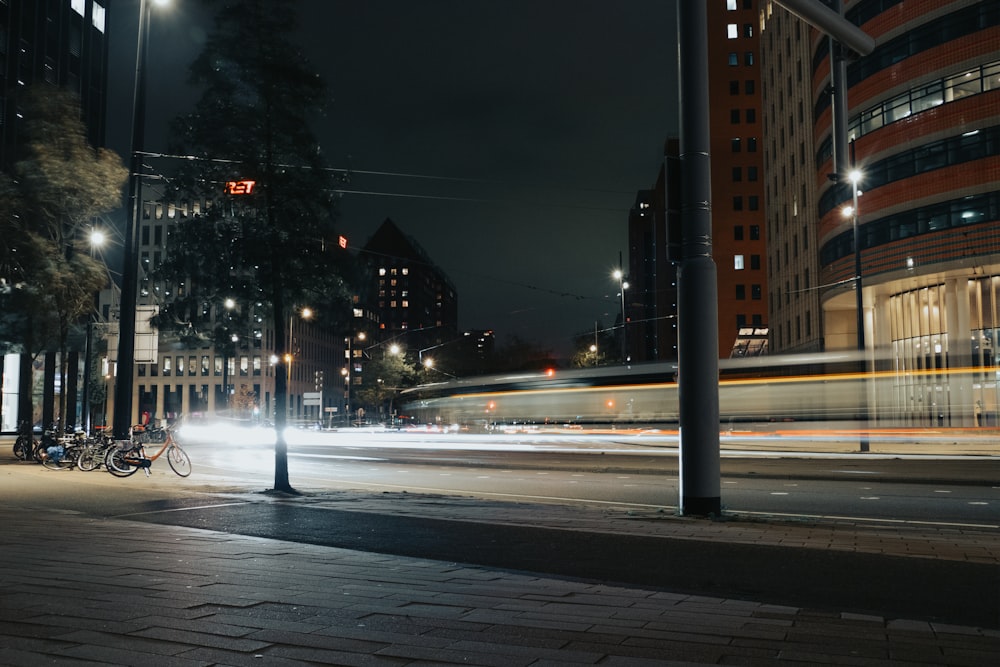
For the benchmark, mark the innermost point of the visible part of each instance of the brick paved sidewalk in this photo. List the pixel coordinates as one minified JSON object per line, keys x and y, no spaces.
{"x":77,"y":590}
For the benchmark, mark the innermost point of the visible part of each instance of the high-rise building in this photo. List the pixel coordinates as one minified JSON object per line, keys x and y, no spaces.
{"x":923,"y":243}
{"x":738,"y":232}
{"x":414,"y":301}
{"x":651,"y":298}
{"x":226,"y":367}
{"x":738,"y":226}
{"x":59,"y":43}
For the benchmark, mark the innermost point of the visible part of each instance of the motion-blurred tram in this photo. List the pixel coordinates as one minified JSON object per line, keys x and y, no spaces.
{"x":821,"y":388}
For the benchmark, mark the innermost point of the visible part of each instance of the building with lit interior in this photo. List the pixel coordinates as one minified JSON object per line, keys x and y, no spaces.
{"x":739,"y":235}
{"x":200,"y":377}
{"x":923,"y":242}
{"x":61,"y":44}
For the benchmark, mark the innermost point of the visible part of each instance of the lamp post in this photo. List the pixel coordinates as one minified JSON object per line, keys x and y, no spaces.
{"x":229,"y":304}
{"x":347,"y":372}
{"x":130,"y":268}
{"x":854,"y":177}
{"x":619,"y":275}
{"x":305,"y":313}
{"x":97,"y":239}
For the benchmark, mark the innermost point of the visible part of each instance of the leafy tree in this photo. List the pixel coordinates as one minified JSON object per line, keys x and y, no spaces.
{"x":382,"y":380}
{"x":275,"y":249}
{"x":63,"y":183}
{"x":585,"y":354}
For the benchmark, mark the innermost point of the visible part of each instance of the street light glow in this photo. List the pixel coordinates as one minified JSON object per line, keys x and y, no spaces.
{"x":97,"y":238}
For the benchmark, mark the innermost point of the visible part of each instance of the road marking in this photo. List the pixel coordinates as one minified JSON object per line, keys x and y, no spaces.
{"x":179,"y":509}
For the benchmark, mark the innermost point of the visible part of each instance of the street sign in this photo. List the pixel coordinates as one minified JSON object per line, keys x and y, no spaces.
{"x":312,"y":398}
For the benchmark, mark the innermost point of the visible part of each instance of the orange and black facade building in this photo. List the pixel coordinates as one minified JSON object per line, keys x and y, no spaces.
{"x":923,"y":128}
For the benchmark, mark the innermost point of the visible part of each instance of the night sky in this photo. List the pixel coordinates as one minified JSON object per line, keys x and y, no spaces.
{"x":508,"y":138}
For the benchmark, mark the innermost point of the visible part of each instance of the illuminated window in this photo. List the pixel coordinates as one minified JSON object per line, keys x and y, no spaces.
{"x":98,"y":17}
{"x":78,"y":6}
{"x":738,"y":262}
{"x":381,"y":272}
{"x":731,"y":5}
{"x":732,"y":31}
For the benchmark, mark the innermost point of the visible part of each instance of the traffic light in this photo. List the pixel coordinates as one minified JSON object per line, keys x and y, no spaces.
{"x":319,"y":380}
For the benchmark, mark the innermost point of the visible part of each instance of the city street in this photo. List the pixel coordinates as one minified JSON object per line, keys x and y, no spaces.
{"x":448,"y":498}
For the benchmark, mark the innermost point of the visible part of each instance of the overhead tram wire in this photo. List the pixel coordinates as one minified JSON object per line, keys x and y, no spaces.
{"x":347,"y":172}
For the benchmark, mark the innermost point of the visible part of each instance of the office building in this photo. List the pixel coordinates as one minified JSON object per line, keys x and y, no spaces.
{"x":923,"y":243}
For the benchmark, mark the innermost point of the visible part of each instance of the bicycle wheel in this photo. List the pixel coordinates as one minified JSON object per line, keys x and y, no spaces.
{"x":38,"y":453}
{"x":117,"y":464}
{"x":23,"y":447}
{"x":90,"y":457}
{"x":59,"y":458}
{"x":179,"y":461}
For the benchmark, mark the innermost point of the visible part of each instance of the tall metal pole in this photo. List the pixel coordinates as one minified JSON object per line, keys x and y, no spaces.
{"x":126,"y":318}
{"x":697,"y":304}
{"x":855,"y":180}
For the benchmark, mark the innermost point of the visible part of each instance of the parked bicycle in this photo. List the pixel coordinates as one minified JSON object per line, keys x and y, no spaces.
{"x":122,"y":462}
{"x":25,"y":444}
{"x":92,"y":453}
{"x":59,"y":453}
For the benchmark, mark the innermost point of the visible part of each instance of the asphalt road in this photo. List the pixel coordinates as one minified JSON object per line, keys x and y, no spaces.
{"x":888,"y":488}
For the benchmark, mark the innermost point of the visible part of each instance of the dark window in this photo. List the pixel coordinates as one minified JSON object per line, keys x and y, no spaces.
{"x":749,"y":87}
{"x":734,"y":87}
{"x":751,"y":115}
{"x":748,"y":58}
{"x":738,"y":233}
{"x":734,"y":116}
{"x":741,"y":292}
{"x":754,"y":232}
{"x":755,"y":262}
{"x":755,"y":292}
{"x":751,"y":173}
{"x":737,"y":203}
{"x":735,"y":143}
{"x":737,"y":174}
{"x":734,"y":59}
{"x":753,"y":202}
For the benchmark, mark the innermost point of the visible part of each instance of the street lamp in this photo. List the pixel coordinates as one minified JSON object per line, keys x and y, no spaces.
{"x":97,"y":239}
{"x":619,"y":275}
{"x":130,"y":269}
{"x":347,"y":372}
{"x":304,"y":313}
{"x":229,"y":305}
{"x":852,"y":212}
